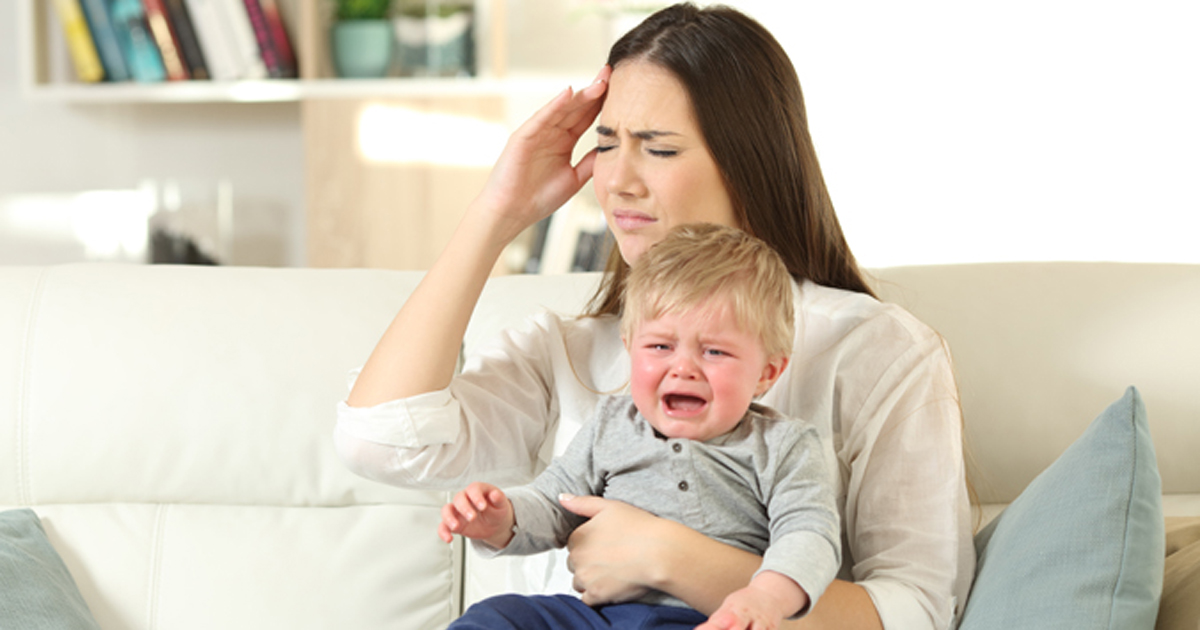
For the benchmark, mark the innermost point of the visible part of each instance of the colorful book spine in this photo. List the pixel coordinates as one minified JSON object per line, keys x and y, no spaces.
{"x":104,"y":34}
{"x":262,"y":35}
{"x":79,"y":40}
{"x":279,"y":37}
{"x":137,"y":44}
{"x":168,"y":43}
{"x":185,"y":34}
{"x":237,"y":22}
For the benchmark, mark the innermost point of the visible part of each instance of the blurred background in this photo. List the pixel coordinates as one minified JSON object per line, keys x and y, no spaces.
{"x":948,"y":132}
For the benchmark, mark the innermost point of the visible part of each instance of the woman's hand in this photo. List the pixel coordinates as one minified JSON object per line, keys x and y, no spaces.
{"x":622,"y":552}
{"x":533,"y":176}
{"x":611,"y":555}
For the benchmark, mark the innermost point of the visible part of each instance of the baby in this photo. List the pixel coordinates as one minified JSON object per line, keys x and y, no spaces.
{"x":708,"y":323}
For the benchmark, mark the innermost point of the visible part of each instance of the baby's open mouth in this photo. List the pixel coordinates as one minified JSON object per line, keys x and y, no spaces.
{"x":683,"y":402}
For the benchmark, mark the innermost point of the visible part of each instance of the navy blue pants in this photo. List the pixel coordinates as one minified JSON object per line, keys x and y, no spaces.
{"x":564,"y":612}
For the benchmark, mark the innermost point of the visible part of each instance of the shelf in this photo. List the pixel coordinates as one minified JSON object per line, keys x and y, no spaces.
{"x":285,"y":90}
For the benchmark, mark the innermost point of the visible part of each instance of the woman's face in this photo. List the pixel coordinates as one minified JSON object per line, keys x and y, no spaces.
{"x":653,"y":170}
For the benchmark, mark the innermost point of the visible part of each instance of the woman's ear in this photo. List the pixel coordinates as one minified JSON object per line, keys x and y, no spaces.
{"x":771,"y":373}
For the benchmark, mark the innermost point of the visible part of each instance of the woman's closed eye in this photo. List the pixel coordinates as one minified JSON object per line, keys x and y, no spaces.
{"x":662,"y":153}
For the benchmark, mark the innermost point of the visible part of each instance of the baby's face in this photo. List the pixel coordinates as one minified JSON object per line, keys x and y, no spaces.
{"x":694,"y":374}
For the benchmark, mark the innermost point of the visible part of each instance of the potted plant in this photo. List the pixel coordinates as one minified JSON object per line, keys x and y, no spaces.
{"x":362,"y":38}
{"x":435,"y":38}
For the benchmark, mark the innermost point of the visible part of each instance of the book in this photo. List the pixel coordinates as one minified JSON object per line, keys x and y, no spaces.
{"x":268,"y":47}
{"x":236,"y":21}
{"x":137,"y":44}
{"x":185,"y":33}
{"x":211,"y":34}
{"x":279,"y":36}
{"x":163,"y":33}
{"x":105,"y":38}
{"x":79,"y":41}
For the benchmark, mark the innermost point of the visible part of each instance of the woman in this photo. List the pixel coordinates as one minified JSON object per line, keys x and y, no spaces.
{"x":703,"y":121}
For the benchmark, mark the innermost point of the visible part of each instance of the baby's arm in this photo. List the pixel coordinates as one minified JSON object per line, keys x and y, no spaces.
{"x":763,"y":605}
{"x":480,"y":512}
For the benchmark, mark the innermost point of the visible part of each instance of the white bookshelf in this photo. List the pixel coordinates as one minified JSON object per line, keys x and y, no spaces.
{"x":363,"y":211}
{"x":46,"y":74}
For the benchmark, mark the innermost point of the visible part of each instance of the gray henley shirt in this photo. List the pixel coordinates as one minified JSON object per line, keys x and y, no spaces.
{"x":762,"y":487}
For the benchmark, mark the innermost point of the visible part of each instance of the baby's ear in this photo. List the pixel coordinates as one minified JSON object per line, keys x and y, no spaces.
{"x":771,"y":373}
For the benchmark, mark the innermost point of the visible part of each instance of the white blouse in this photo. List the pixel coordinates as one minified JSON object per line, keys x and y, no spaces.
{"x":876,"y":382}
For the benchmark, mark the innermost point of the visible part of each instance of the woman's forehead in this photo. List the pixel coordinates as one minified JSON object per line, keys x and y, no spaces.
{"x":645,"y":97}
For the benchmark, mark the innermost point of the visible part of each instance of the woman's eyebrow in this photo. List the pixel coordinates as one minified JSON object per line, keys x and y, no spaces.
{"x":641,"y":135}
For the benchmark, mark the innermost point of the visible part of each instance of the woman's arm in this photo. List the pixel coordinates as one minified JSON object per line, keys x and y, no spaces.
{"x":610,"y":565}
{"x":532,"y":178}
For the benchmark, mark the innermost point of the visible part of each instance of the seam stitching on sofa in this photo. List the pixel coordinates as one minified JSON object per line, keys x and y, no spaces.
{"x":155,"y":569}
{"x":459,"y":564}
{"x":24,"y":374}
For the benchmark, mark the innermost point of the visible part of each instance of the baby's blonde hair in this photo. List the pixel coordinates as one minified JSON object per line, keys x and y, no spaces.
{"x":697,"y":263}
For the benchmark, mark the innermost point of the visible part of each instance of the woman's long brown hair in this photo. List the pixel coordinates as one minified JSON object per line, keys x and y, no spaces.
{"x":747,"y":102}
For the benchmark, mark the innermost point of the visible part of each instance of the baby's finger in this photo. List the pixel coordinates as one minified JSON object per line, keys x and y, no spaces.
{"x":463,"y":504}
{"x":450,"y":518}
{"x":495,"y":497}
{"x":444,"y":533}
{"x":476,"y":494}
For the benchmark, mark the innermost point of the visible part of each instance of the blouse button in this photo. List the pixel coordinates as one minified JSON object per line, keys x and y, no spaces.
{"x":683,"y":485}
{"x":677,"y":447}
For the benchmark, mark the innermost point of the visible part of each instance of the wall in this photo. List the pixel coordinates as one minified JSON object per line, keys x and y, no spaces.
{"x":948,"y":131}
{"x":1028,"y":129}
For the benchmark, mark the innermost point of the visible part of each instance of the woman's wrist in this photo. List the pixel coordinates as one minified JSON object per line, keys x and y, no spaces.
{"x":666,"y":556}
{"x":488,"y":226}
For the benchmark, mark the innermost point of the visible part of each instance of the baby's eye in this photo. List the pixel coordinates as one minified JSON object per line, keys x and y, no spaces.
{"x":715,"y":352}
{"x":659,"y":346}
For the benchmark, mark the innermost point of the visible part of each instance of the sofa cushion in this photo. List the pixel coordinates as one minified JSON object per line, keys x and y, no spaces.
{"x":1083,"y":544}
{"x":37,"y":587}
{"x":1180,"y":608}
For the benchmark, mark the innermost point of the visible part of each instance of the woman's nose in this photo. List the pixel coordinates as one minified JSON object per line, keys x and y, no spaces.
{"x":623,"y":177}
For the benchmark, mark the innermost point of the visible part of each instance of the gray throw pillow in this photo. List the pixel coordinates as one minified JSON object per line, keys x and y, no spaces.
{"x":36,"y":589}
{"x":1083,"y":545}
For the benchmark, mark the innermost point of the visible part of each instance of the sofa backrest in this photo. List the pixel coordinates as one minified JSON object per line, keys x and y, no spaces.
{"x":172,"y":427}
{"x":1041,"y":349}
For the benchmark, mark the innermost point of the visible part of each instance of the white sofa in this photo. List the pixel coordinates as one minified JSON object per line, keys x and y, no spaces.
{"x":172,"y":426}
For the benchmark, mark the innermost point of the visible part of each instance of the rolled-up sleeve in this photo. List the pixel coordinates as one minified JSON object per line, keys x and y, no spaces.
{"x":490,"y":424}
{"x":407,"y":423}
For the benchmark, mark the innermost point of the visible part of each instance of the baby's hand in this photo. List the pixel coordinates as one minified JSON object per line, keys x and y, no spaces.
{"x":480,"y":512}
{"x":748,"y":608}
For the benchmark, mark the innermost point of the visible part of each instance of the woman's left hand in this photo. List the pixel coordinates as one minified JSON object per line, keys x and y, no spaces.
{"x":612,"y":554}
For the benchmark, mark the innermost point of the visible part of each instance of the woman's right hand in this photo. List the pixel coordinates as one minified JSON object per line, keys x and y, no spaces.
{"x":534,"y":176}
{"x":621,"y":552}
